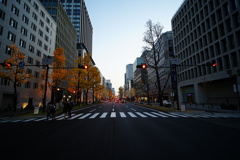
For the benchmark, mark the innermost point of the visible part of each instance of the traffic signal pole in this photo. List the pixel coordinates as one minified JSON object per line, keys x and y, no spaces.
{"x":45,"y":89}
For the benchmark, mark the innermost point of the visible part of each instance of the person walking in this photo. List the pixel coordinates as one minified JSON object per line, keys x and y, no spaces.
{"x":70,"y":109}
{"x":53,"y":110}
{"x":49,"y":110}
{"x":65,"y":108}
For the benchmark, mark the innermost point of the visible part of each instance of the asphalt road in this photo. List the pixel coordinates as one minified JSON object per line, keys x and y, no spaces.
{"x":118,"y":135}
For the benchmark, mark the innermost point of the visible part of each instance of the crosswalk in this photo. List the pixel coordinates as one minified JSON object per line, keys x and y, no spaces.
{"x":102,"y":115}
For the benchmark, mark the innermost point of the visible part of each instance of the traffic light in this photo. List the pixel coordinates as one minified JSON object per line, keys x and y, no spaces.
{"x":212,"y":64}
{"x":5,"y":64}
{"x":83,"y":66}
{"x":142,"y":66}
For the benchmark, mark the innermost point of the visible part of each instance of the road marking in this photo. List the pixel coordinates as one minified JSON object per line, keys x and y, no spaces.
{"x":92,"y":110}
{"x":94,"y":116}
{"x":104,"y":115}
{"x":78,"y":115}
{"x":85,"y":116}
{"x":16,"y":120}
{"x":113,"y":115}
{"x":113,"y":110}
{"x":151,"y":115}
{"x":133,"y":109}
{"x":140,"y":114}
{"x":132,"y":115}
{"x":159,"y":114}
{"x":167,"y":114}
{"x":29,"y":120}
{"x":122,"y":115}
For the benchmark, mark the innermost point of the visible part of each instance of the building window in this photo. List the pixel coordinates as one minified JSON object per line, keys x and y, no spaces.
{"x":40,"y":32}
{"x":19,"y":1}
{"x":8,"y":50}
{"x":36,"y":74}
{"x":35,"y":85}
{"x":31,"y":48}
{"x":1,"y":30}
{"x":13,"y":23}
{"x":32,"y":37}
{"x":22,"y":43}
{"x":34,"y":27}
{"x":2,"y":14}
{"x":45,"y":47}
{"x":5,"y":81}
{"x":41,"y":23}
{"x":4,"y":2}
{"x":42,"y":14}
{"x":11,"y":36}
{"x":30,"y":60}
{"x":46,"y":38}
{"x":26,"y":8}
{"x":28,"y":84}
{"x":37,"y":64}
{"x":39,"y":43}
{"x":34,"y":16}
{"x":25,"y":19}
{"x":39,"y":54}
{"x":15,"y":10}
{"x":35,"y":6}
{"x":24,"y":31}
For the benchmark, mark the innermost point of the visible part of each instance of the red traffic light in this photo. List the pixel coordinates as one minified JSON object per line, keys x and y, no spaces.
{"x":5,"y":64}
{"x":141,"y":66}
{"x":83,"y":66}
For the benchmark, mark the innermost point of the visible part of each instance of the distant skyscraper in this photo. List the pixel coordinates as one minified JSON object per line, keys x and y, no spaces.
{"x":77,"y":11}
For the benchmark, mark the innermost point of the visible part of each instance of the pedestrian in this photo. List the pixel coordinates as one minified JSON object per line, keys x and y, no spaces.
{"x":53,"y":110}
{"x":49,"y":110}
{"x":65,"y":108}
{"x":70,"y":109}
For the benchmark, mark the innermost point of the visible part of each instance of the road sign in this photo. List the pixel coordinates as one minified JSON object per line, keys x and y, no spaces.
{"x":175,"y":61}
{"x":46,"y":61}
{"x":21,"y":65}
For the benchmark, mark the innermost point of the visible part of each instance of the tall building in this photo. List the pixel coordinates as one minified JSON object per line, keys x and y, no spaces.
{"x":33,"y":30}
{"x":129,"y":76}
{"x":208,"y":31}
{"x":66,"y":33}
{"x":77,"y":12}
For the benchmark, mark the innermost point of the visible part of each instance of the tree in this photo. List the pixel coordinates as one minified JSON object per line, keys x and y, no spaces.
{"x":14,"y":73}
{"x":120,"y":92}
{"x":59,"y":73}
{"x":153,"y":49}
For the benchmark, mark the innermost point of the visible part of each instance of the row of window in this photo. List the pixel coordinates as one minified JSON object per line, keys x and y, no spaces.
{"x":28,"y":84}
{"x":225,"y":62}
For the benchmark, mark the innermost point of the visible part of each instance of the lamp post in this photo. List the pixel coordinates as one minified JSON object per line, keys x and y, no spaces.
{"x":235,"y":75}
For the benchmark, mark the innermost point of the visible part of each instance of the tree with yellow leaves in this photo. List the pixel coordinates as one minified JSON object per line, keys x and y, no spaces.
{"x":14,"y":73}
{"x":59,"y":72}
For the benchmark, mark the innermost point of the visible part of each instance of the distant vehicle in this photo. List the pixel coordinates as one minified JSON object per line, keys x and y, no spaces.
{"x":167,"y":103}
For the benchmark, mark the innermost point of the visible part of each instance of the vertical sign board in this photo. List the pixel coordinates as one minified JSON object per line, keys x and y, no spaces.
{"x":21,"y":65}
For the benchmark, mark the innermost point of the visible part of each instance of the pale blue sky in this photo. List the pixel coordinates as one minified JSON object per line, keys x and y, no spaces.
{"x":118,"y":30}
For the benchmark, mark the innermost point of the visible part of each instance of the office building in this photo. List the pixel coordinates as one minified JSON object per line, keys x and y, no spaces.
{"x":27,"y":24}
{"x":205,"y":32}
{"x":77,"y":12}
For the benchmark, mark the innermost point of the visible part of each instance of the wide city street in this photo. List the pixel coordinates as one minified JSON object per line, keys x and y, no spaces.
{"x":122,"y":131}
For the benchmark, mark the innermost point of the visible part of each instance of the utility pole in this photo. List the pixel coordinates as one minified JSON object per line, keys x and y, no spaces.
{"x":45,"y":89}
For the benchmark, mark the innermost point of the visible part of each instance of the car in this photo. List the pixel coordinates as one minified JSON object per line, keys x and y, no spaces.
{"x":167,"y":103}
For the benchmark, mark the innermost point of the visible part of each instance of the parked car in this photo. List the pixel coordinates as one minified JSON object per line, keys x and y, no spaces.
{"x":167,"y":103}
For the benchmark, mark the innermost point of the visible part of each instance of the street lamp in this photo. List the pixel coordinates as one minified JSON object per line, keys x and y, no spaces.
{"x":236,"y":86}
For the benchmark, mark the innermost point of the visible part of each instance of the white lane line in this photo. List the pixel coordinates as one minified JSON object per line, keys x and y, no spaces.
{"x":179,"y":115}
{"x":92,"y":110}
{"x":113,"y":115}
{"x":159,"y":114}
{"x":132,"y":115}
{"x":94,"y":116}
{"x":133,"y":109}
{"x":140,"y":114}
{"x":85,"y":116}
{"x":123,"y":115}
{"x":78,"y":115}
{"x":16,"y":120}
{"x":29,"y":120}
{"x":104,"y":115}
{"x":40,"y":119}
{"x":113,"y":110}
{"x":168,"y":115}
{"x":151,"y":115}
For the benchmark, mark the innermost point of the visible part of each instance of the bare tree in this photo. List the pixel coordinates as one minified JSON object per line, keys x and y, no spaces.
{"x":153,"y":49}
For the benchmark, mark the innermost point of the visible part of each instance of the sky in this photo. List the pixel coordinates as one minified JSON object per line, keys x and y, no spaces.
{"x":118,"y":31}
